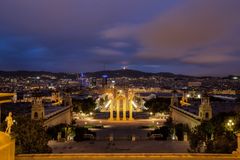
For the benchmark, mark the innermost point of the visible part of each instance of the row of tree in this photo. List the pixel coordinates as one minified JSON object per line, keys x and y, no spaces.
{"x":32,"y":137}
{"x":216,"y":136}
{"x":85,"y":105}
{"x":213,"y":136}
{"x":158,"y":104}
{"x":169,"y":130}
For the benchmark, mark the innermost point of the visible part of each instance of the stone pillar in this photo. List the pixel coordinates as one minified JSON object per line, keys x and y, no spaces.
{"x":0,"y":113}
{"x":133,"y":138}
{"x":238,"y":144}
{"x":111,"y":111}
{"x":185,"y":137}
{"x":7,"y":147}
{"x":118,"y":110}
{"x":111,"y":138}
{"x":124,"y":109}
{"x":130,"y":110}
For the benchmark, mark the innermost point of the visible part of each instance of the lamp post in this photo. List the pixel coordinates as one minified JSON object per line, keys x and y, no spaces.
{"x":230,"y":124}
{"x":91,"y":113}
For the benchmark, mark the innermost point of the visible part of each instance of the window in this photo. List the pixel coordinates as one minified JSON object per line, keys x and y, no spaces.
{"x":35,"y":115}
{"x":206,"y":115}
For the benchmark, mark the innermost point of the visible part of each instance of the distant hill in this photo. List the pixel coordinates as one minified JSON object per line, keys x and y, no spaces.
{"x":110,"y":73}
{"x":24,"y":74}
{"x":119,"y":73}
{"x":127,"y":73}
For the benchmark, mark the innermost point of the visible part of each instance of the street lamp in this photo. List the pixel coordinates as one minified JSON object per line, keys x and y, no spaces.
{"x":199,"y":96}
{"x":230,"y":124}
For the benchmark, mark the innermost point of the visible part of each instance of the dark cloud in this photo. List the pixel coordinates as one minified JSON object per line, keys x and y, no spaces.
{"x":83,"y":35}
{"x":201,"y":32}
{"x":68,"y":30}
{"x":119,"y":44}
{"x":107,"y":52}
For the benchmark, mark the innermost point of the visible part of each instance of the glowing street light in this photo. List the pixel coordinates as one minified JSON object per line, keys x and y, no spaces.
{"x":91,"y":113}
{"x":199,"y":96}
{"x":151,"y":113}
{"x":230,"y":124}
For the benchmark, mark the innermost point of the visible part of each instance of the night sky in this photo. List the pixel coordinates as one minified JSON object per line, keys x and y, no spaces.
{"x":195,"y":37}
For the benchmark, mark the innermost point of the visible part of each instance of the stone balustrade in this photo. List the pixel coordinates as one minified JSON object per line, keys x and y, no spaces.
{"x":128,"y":156}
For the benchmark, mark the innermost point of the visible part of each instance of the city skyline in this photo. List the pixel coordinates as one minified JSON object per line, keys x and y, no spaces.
{"x":182,"y":37}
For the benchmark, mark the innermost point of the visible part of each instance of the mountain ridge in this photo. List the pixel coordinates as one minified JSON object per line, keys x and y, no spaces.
{"x":98,"y":74}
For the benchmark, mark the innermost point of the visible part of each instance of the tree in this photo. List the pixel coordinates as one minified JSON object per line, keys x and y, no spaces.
{"x":101,"y":101}
{"x":76,"y":105}
{"x":31,"y":136}
{"x":180,"y":129}
{"x":158,"y":105}
{"x":197,"y":136}
{"x":218,"y":138}
{"x":85,"y":105}
{"x":80,"y":132}
{"x":165,"y":131}
{"x":225,"y":143}
{"x":88,"y":105}
{"x":54,"y":130}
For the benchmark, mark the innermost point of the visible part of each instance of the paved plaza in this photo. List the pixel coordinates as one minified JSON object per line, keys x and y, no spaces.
{"x":149,"y":146}
{"x":136,"y":122}
{"x":121,"y":132}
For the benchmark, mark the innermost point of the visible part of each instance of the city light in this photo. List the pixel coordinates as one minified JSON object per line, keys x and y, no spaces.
{"x":124,"y":67}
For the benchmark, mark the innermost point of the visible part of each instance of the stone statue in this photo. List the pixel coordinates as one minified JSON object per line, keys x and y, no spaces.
{"x":9,"y":121}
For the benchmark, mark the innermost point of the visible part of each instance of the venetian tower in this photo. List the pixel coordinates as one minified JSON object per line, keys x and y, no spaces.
{"x":38,"y":111}
{"x":205,"y":109}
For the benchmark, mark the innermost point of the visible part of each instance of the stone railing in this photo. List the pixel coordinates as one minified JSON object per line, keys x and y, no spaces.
{"x":128,"y":156}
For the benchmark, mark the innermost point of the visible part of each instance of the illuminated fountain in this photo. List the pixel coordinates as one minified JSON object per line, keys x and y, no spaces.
{"x":119,"y":100}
